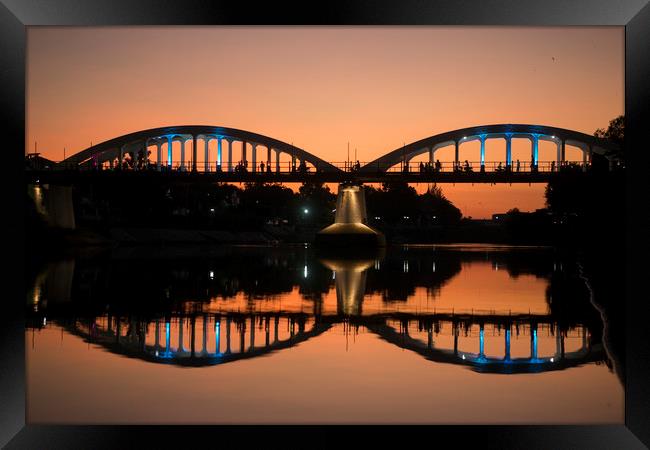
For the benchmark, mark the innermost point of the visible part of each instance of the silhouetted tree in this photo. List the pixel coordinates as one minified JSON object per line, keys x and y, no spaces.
{"x":614,"y":132}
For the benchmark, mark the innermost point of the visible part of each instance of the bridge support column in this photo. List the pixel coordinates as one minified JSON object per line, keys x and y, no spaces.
{"x":508,"y":150}
{"x":243,"y":154}
{"x":59,"y":208}
{"x":533,"y":341}
{"x":217,"y":335}
{"x":456,"y":160}
{"x":180,"y":336}
{"x":482,"y":138}
{"x":158,"y":155}
{"x":277,"y":161}
{"x":183,"y":154}
{"x":169,"y":152}
{"x":121,"y":155}
{"x":293,"y":163}
{"x":584,"y":158}
{"x":254,"y":153}
{"x":252,"y":345}
{"x":167,"y":337}
{"x":559,"y":155}
{"x":204,"y":343}
{"x":268,"y":158}
{"x":534,"y":151}
{"x":229,"y":155}
{"x":206,"y":160}
{"x":219,"y":154}
{"x":267,"y":330}
{"x":242,"y":337}
{"x":430,"y":151}
{"x":563,"y":152}
{"x":507,"y":345}
{"x":481,"y":341}
{"x":193,"y":336}
{"x":194,"y":153}
{"x":145,"y":153}
{"x":227,"y":335}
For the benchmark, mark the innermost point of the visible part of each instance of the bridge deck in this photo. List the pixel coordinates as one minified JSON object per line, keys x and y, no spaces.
{"x":73,"y":176}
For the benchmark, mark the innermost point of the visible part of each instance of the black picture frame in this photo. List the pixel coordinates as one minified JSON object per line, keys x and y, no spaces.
{"x":16,"y":15}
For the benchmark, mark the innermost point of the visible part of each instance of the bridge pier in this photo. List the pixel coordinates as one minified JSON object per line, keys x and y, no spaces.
{"x":169,"y":153}
{"x":254,"y":152}
{"x":243,"y":154}
{"x":57,"y":205}
{"x":219,"y":153}
{"x":508,"y":150}
{"x":482,"y":138}
{"x":158,"y":155}
{"x":183,"y":154}
{"x":350,"y":227}
{"x":194,"y":152}
{"x":217,"y":335}
{"x":229,"y":155}
{"x":206,"y":160}
{"x":533,"y":342}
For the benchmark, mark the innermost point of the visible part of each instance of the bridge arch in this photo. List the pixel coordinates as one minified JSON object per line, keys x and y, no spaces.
{"x":138,"y":142}
{"x":120,"y":335}
{"x":535,"y":133}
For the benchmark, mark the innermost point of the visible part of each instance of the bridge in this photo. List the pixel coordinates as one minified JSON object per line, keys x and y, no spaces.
{"x":206,"y":339}
{"x":242,"y":156}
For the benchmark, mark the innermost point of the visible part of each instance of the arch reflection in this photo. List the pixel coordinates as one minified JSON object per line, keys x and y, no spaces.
{"x":235,"y":304}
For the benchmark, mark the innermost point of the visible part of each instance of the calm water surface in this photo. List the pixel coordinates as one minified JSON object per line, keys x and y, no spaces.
{"x":417,"y":334}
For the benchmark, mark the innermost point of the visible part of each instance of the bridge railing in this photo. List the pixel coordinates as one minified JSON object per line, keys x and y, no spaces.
{"x":477,"y":167}
{"x":287,"y":167}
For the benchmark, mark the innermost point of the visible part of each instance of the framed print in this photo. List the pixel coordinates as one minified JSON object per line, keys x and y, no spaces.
{"x":376,"y":222}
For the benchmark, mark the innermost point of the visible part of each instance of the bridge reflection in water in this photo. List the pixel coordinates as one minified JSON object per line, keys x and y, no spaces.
{"x":206,"y":332}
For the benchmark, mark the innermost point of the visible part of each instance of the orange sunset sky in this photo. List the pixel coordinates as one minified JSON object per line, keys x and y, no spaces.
{"x":322,"y":87}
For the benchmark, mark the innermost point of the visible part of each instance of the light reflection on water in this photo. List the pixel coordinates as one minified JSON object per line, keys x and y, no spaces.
{"x":519,"y":319}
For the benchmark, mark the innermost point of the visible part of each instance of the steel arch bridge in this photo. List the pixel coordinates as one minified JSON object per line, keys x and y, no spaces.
{"x":137,"y":143}
{"x":394,"y":165}
{"x":211,"y":341}
{"x":559,"y":136}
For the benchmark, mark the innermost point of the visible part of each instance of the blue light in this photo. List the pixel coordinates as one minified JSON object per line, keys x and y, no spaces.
{"x":217,"y":337}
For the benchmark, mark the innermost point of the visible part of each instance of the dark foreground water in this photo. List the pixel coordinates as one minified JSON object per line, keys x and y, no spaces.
{"x":432,"y":334}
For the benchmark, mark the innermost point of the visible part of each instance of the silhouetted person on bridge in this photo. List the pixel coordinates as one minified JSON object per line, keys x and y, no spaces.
{"x":552,"y":166}
{"x":499,"y":167}
{"x":438,"y":165}
{"x":518,"y":165}
{"x":467,"y":167}
{"x":262,"y":167}
{"x":421,"y":167}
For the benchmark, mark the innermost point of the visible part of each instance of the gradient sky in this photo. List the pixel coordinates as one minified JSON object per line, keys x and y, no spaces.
{"x":322,"y":87}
